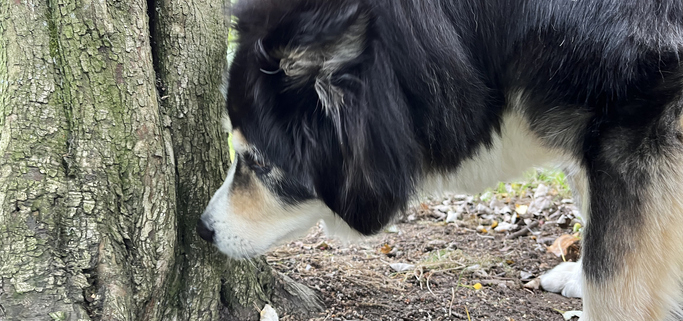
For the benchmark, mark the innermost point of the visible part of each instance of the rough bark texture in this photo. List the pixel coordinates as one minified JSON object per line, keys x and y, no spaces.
{"x":102,"y":177}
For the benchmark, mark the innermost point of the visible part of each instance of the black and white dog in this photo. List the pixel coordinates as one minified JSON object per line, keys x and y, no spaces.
{"x":341,"y":110}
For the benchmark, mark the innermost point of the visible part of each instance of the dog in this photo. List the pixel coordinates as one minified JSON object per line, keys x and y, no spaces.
{"x":343,"y":110}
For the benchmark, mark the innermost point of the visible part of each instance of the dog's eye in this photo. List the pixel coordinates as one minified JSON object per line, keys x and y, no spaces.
{"x":256,"y":164}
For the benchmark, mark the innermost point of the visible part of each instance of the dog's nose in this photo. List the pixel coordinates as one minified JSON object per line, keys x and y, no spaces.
{"x":205,"y":232}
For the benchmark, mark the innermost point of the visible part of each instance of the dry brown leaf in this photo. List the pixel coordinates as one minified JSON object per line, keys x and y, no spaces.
{"x":385,"y":249}
{"x":562,"y":243}
{"x":534,"y":284}
{"x":323,"y":246}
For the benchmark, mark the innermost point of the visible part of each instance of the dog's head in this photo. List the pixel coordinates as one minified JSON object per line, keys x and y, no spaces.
{"x":320,"y":127}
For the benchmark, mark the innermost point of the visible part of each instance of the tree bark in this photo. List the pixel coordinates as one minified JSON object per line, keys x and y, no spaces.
{"x":110,"y":147}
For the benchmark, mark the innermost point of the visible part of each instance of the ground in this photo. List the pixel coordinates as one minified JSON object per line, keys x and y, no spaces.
{"x":445,"y":260}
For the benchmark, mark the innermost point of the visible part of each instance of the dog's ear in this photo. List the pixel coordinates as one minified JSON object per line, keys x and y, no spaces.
{"x":323,"y":40}
{"x":368,"y":176}
{"x":368,"y":157}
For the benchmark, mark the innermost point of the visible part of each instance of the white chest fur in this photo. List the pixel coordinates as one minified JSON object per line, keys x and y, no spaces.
{"x":515,"y":150}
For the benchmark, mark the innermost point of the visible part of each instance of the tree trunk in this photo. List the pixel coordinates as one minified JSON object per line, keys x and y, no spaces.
{"x":110,"y":147}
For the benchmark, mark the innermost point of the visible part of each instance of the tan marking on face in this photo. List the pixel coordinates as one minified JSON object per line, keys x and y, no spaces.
{"x":248,"y":201}
{"x":254,"y":202}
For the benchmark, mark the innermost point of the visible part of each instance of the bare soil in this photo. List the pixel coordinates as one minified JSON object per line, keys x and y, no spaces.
{"x":425,"y":268}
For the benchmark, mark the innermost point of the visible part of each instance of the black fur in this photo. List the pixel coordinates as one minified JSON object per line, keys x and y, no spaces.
{"x":601,"y":81}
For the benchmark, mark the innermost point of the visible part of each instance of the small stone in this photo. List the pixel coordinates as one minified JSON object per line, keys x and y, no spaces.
{"x":452,"y":217}
{"x":525,"y":275}
{"x":391,"y":229}
{"x":541,"y":191}
{"x":481,"y":208}
{"x":442,"y":208}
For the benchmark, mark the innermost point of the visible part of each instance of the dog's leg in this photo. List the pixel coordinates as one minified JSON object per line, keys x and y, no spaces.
{"x":633,"y":240}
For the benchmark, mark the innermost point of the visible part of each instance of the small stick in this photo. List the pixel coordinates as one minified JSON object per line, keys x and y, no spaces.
{"x":428,"y":288}
{"x":450,"y":307}
{"x":523,"y":231}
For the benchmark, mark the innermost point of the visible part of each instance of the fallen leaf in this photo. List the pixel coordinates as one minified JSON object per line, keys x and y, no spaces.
{"x":323,"y":246}
{"x":477,"y":286}
{"x":570,"y":314}
{"x":577,"y":227}
{"x":562,"y":243}
{"x":539,"y":204}
{"x":534,"y":284}
{"x":504,"y":227}
{"x":402,"y":267}
{"x":486,"y":196}
{"x":385,"y":249}
{"x":269,"y":314}
{"x":494,"y":224}
{"x":521,"y":209}
{"x":442,"y":208}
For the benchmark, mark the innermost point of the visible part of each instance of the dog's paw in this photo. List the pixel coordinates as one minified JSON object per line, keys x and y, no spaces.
{"x":565,"y":279}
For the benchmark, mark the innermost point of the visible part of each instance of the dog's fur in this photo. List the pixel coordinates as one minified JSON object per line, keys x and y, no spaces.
{"x":342,"y":110}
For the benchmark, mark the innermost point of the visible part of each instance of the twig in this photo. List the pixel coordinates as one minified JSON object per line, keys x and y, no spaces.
{"x":374,"y":305}
{"x":428,"y":288}
{"x":457,"y":283}
{"x":450,"y":307}
{"x":523,"y":231}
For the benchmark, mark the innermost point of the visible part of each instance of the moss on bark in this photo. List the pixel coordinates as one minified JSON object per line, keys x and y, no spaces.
{"x":107,"y":157}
